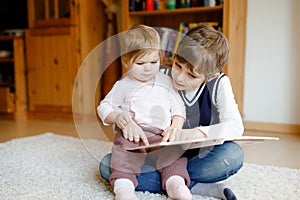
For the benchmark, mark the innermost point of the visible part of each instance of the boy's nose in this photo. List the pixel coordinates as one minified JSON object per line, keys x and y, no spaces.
{"x":180,"y":77}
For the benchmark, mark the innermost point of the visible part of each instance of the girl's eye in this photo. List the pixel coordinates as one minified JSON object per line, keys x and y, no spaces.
{"x":154,"y":62}
{"x":139,"y":63}
{"x":192,"y":76}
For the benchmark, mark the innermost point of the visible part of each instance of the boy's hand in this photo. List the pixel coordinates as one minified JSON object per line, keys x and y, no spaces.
{"x":122,"y":119}
{"x":170,"y":134}
{"x":133,"y":132}
{"x":190,"y":134}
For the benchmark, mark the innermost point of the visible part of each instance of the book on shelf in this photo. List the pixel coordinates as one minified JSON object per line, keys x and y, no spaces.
{"x":170,"y":46}
{"x":144,"y":5}
{"x":182,"y":30}
{"x":205,"y":142}
{"x":150,"y":5}
{"x":170,"y":38}
{"x":200,"y":3}
{"x":164,"y":34}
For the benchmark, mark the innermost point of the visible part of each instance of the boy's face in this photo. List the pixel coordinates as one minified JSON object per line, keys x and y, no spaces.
{"x":145,"y":67}
{"x":184,"y":79}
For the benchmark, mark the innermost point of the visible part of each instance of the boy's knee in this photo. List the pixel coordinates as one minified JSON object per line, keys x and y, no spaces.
{"x":104,"y":167}
{"x":235,"y":152}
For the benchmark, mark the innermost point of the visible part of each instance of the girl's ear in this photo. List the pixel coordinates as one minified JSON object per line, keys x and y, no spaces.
{"x":127,"y":66}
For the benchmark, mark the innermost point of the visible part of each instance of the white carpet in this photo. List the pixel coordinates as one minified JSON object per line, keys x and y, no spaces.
{"x":51,"y":166}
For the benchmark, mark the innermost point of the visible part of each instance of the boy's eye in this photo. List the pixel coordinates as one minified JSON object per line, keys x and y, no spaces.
{"x":178,"y":65}
{"x":154,"y":62}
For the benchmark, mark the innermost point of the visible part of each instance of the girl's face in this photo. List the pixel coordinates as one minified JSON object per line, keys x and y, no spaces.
{"x":184,"y":79}
{"x":145,"y":67}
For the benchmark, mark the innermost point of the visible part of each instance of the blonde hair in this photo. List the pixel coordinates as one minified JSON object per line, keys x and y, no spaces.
{"x":138,"y":41}
{"x":203,"y":49}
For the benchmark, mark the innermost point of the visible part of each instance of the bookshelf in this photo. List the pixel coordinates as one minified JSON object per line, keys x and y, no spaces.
{"x":231,"y":15}
{"x":13,"y":96}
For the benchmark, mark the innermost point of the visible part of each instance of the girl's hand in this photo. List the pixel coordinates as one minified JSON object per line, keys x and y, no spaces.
{"x":170,"y":134}
{"x":133,"y":132}
{"x":190,"y":134}
{"x":122,"y":119}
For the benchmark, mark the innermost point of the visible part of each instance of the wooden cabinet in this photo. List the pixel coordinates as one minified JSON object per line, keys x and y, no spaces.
{"x":232,"y":16}
{"x":13,"y":98}
{"x":52,"y":69}
{"x":61,"y":34}
{"x":45,"y":13}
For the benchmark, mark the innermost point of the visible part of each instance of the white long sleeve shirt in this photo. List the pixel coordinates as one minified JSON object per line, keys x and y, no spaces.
{"x":150,"y":104}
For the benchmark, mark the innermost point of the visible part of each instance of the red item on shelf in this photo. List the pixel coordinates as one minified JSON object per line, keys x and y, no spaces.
{"x":149,"y":5}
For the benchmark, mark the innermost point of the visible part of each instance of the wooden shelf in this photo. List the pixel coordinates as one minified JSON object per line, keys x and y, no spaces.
{"x":9,"y":59}
{"x":8,"y":37}
{"x":6,"y":85}
{"x":6,"y":60}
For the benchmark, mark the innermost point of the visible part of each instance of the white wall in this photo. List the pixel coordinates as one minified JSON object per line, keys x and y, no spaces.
{"x":272,"y":65}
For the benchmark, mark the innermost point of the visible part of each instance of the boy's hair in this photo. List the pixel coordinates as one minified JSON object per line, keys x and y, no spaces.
{"x":203,"y":49}
{"x":138,"y":41}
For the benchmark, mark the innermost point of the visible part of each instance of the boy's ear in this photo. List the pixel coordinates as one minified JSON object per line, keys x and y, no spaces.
{"x":214,"y":76}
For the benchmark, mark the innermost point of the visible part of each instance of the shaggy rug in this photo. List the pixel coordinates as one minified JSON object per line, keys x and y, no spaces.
{"x":51,"y":166}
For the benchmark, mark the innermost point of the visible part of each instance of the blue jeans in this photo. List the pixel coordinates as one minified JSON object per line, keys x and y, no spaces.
{"x":205,"y":165}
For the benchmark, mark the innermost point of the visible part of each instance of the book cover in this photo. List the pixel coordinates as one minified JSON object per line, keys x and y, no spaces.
{"x":204,"y":142}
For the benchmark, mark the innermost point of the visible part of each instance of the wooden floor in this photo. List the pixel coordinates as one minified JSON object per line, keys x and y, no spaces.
{"x":283,"y":153}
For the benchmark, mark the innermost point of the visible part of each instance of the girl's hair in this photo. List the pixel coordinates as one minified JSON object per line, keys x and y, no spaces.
{"x":203,"y":49}
{"x":138,"y":41}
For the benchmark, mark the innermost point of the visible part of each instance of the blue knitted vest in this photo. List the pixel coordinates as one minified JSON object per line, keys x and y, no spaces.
{"x":202,"y":112}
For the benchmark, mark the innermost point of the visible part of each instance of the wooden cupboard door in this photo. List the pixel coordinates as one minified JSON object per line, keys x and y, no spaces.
{"x":52,"y":13}
{"x":52,"y":67}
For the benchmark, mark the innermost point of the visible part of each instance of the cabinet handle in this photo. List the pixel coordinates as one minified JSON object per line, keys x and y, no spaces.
{"x":57,"y":87}
{"x":55,"y":61}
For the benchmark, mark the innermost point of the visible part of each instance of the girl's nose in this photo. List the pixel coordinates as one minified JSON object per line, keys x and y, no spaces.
{"x":147,"y":67}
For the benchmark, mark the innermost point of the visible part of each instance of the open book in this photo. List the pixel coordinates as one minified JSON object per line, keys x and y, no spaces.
{"x":204,"y":142}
